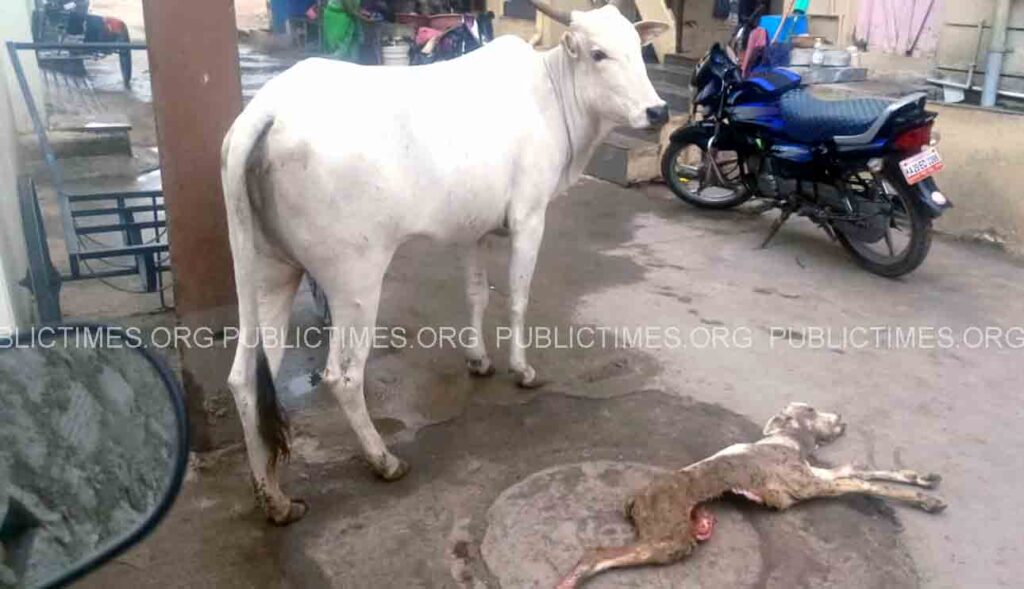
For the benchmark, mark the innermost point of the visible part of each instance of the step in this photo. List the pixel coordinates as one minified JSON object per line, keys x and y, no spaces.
{"x":830,"y":75}
{"x":671,"y":74}
{"x":625,"y":159}
{"x":649,"y":135}
{"x":98,"y":123}
{"x":677,"y":97}
{"x":679,"y":60}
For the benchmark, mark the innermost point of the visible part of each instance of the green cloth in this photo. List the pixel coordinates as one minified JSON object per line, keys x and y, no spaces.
{"x":341,"y":29}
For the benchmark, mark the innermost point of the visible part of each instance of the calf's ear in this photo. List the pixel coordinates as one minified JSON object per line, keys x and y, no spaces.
{"x":650,"y":30}
{"x":777,"y":424}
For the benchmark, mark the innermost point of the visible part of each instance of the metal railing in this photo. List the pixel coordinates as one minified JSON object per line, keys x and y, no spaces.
{"x":124,"y":207}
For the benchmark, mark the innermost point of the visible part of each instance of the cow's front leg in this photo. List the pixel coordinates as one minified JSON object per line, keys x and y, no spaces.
{"x":527,"y":234}
{"x":477,"y":295}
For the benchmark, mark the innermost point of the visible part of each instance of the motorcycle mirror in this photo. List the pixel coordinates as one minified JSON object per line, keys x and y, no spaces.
{"x":93,"y":449}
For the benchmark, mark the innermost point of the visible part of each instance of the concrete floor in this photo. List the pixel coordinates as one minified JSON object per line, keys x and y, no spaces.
{"x":507,"y":487}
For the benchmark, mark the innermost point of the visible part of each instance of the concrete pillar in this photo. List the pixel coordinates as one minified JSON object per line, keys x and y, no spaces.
{"x":996,"y":53}
{"x":193,"y":59}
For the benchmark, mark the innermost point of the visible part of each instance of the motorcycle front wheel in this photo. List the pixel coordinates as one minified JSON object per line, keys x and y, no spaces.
{"x":702,"y":179}
{"x":907,"y":238}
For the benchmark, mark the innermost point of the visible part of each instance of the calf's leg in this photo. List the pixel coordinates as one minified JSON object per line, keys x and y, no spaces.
{"x":477,"y":294}
{"x":353,"y":293}
{"x":906,"y":477}
{"x":640,"y":554}
{"x":847,"y":486}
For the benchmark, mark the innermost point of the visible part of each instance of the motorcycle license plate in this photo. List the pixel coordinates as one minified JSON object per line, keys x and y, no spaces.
{"x":923,"y":165}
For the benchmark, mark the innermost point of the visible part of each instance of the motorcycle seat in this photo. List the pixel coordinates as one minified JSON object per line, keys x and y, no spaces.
{"x":810,"y":119}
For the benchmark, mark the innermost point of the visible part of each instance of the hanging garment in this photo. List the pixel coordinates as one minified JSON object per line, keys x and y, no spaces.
{"x":341,"y":30}
{"x":899,"y":26}
{"x":721,"y":9}
{"x":754,"y":56}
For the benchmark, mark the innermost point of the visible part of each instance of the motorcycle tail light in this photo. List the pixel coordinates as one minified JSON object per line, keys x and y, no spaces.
{"x":914,"y":139}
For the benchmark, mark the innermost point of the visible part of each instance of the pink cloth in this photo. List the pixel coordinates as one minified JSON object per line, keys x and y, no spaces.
{"x":756,"y":43}
{"x":891,"y":26}
{"x":424,"y":34}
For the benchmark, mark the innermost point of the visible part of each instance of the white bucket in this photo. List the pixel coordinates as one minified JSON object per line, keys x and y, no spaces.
{"x":395,"y":54}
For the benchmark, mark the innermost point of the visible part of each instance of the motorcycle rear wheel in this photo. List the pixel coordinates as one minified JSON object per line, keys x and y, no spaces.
{"x":910,"y":220}
{"x":685,"y":166}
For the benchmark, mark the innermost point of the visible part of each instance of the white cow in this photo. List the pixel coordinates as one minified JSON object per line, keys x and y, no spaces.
{"x":333,"y":166}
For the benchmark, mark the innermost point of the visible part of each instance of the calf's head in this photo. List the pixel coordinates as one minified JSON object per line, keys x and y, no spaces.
{"x":609,"y":76}
{"x":806,"y":424}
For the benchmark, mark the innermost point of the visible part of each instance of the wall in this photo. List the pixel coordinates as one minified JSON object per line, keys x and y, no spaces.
{"x":959,"y":40}
{"x":552,"y":31}
{"x":15,"y":25}
{"x":701,"y":29}
{"x":15,"y":301}
{"x":982,"y":177}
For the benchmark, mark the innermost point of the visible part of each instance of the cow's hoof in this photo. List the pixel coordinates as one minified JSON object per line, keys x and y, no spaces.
{"x":933,"y":505}
{"x":528,"y":379}
{"x":394,"y":468}
{"x":297,"y":509}
{"x":482,"y":367}
{"x":930,"y":480}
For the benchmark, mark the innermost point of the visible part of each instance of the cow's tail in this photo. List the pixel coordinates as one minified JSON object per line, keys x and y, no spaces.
{"x":237,"y":150}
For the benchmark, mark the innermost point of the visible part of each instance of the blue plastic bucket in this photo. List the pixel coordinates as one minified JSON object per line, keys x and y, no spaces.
{"x":795,"y":25}
{"x":282,"y":10}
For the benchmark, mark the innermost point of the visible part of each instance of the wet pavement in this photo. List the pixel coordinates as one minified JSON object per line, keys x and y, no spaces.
{"x":507,"y":486}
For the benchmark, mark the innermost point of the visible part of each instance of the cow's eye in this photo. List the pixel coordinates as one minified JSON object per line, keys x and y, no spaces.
{"x":599,"y":55}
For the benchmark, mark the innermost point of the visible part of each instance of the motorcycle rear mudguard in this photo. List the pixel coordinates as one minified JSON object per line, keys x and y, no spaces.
{"x":928,"y":194}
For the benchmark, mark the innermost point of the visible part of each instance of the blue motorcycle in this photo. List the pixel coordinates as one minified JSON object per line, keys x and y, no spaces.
{"x":861,"y":169}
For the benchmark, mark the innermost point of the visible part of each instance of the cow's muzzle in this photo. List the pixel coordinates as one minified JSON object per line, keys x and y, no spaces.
{"x":657,"y":115}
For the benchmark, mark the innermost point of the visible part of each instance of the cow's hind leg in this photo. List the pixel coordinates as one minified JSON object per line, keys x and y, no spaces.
{"x":640,"y":554}
{"x":266,"y":292}
{"x":477,"y":295}
{"x":353,"y":294}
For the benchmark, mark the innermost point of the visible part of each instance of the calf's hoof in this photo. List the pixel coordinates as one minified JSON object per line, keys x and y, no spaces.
{"x":480,"y":367}
{"x":297,"y":509}
{"x":933,"y":505}
{"x":929,"y":481}
{"x":391,"y":468}
{"x":528,"y":379}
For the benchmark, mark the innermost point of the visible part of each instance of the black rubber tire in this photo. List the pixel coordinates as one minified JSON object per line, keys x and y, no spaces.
{"x":697,"y":139}
{"x":918,"y":248}
{"x":126,"y":61}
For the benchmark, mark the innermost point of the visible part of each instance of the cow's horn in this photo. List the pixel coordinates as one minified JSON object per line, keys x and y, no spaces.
{"x":552,"y":13}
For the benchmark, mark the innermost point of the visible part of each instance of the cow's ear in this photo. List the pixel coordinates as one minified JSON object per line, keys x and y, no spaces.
{"x":572,"y":46}
{"x":650,"y":30}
